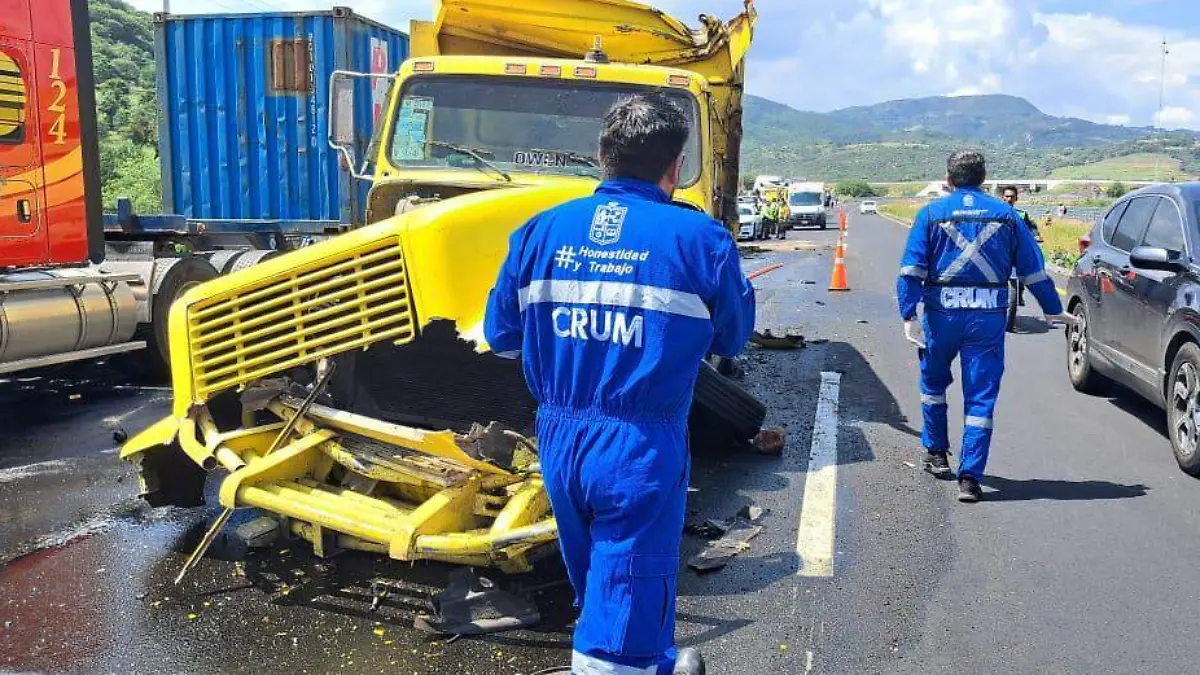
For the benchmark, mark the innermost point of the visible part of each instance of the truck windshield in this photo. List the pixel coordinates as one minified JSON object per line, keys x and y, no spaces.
{"x":518,"y":124}
{"x":805,"y":199}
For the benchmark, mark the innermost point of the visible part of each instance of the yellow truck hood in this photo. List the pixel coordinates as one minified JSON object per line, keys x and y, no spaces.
{"x":631,"y":33}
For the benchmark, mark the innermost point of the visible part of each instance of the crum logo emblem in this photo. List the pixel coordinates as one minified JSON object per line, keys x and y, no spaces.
{"x":607,"y":224}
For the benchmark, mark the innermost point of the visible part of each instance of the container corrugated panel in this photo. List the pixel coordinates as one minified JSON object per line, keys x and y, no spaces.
{"x":244,"y":112}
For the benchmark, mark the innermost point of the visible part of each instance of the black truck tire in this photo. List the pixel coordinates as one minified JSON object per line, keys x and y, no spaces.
{"x":723,"y":410}
{"x":154,"y":363}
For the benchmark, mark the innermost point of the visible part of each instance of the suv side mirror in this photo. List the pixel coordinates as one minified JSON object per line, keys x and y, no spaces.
{"x":1152,"y":258}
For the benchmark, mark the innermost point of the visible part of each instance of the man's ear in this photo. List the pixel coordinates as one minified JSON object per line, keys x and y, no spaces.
{"x":676,"y":170}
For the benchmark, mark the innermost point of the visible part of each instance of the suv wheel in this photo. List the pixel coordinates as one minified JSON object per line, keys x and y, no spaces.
{"x":1183,"y":408}
{"x":1079,"y":353}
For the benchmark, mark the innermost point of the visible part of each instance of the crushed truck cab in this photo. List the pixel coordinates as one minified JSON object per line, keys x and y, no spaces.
{"x":346,"y":387}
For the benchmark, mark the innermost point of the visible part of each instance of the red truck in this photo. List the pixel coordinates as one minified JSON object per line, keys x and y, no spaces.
{"x":68,"y":291}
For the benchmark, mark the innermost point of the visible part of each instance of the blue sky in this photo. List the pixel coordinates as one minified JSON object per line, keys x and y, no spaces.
{"x":1096,"y":59}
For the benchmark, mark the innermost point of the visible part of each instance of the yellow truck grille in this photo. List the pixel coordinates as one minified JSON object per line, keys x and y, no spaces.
{"x":329,"y":306}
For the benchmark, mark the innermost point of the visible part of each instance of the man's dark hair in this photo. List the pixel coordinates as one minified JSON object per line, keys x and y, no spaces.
{"x":641,"y":137}
{"x":1006,"y":188}
{"x":966,"y":168}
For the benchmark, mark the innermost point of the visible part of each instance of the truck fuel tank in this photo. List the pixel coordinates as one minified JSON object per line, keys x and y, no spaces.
{"x":55,"y":312}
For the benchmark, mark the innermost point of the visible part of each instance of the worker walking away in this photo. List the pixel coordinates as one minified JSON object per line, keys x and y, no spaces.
{"x":611,"y":354}
{"x":960,"y":253}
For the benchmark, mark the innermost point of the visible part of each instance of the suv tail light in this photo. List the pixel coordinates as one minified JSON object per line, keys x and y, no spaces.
{"x":1084,"y":243}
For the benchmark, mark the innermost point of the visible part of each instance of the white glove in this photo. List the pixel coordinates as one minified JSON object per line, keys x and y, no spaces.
{"x":914,"y":334}
{"x":1067,"y":320}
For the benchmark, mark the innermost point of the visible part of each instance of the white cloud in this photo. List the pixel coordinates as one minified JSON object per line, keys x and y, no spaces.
{"x":824,"y":54}
{"x":1174,"y":117}
{"x":392,"y":12}
{"x":1099,"y":62}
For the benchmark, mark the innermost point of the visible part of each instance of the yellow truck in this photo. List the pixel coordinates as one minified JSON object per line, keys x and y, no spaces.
{"x":346,"y":387}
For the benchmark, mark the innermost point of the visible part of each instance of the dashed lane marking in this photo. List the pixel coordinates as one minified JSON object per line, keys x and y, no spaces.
{"x":818,"y":509}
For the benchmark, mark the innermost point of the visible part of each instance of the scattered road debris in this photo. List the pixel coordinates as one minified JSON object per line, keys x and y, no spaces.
{"x":752,"y":513}
{"x":766,"y":270}
{"x":732,"y":536}
{"x":770,"y":442}
{"x":768,"y":340}
{"x":474,"y":605}
{"x":710,"y":528}
{"x":261,"y":532}
{"x":719,"y":553}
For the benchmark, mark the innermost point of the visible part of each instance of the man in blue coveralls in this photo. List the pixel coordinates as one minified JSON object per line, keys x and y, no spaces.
{"x":961,"y":251}
{"x":613,"y":301}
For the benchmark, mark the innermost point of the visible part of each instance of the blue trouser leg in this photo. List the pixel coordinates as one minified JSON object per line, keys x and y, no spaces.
{"x":621,"y":491}
{"x":942,"y":334}
{"x":982,"y":369}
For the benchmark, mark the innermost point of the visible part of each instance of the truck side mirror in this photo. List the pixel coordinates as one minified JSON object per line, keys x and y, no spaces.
{"x":341,"y":110}
{"x":344,"y":134}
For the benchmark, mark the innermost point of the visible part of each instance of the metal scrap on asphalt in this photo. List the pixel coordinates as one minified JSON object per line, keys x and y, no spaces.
{"x":735,"y":535}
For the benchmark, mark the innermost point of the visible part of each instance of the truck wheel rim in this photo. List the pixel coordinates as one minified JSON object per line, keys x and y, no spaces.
{"x":1186,"y":407}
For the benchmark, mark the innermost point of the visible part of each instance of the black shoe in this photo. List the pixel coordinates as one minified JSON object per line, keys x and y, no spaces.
{"x":968,"y":490}
{"x":689,"y":662}
{"x":938,"y":464}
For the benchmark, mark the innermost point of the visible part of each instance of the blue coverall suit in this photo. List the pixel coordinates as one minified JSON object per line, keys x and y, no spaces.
{"x":960,"y":254}
{"x":613,"y":301}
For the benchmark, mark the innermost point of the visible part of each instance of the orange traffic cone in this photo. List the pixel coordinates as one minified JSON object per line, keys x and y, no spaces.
{"x":842,"y":218}
{"x":838,"y":281}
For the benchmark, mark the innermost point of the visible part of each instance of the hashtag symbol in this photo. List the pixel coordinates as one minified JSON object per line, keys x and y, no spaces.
{"x":565,"y":258}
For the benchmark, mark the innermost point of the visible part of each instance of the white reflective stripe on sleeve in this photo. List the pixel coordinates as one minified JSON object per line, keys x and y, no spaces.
{"x":978,"y":422}
{"x":514,"y":354}
{"x":614,"y":294}
{"x":928,"y":399}
{"x":913,"y":271}
{"x":582,"y":664}
{"x":1031,"y":279}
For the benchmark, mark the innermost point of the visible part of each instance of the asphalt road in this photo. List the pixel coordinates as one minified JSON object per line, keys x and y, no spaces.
{"x":1080,"y":560}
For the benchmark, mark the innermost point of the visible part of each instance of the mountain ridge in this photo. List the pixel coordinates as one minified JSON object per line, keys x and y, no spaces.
{"x":908,"y":139}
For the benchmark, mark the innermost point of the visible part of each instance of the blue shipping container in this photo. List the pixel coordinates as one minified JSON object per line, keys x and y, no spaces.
{"x":244,"y":113}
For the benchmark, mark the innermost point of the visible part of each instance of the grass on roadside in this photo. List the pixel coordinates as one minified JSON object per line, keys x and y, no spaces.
{"x":1061,"y":244}
{"x":904,"y":210}
{"x":1062,"y":240}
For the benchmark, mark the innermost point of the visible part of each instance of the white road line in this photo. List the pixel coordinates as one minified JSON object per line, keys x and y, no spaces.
{"x":48,"y":468}
{"x":16,"y":473}
{"x":815,"y":539}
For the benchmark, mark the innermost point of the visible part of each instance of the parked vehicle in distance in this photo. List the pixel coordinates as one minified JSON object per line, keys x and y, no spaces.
{"x":763,"y":184}
{"x":868,"y":208}
{"x":806,"y":205}
{"x":1136,"y":296}
{"x":750,"y":223}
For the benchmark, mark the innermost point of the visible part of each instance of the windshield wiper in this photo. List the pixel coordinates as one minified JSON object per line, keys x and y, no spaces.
{"x":480,"y":160}
{"x":582,"y":159}
{"x":571,"y":157}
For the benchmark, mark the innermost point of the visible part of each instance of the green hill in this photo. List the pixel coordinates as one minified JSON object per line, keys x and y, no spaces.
{"x":909,"y":140}
{"x":1129,"y":167}
{"x":126,"y":104}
